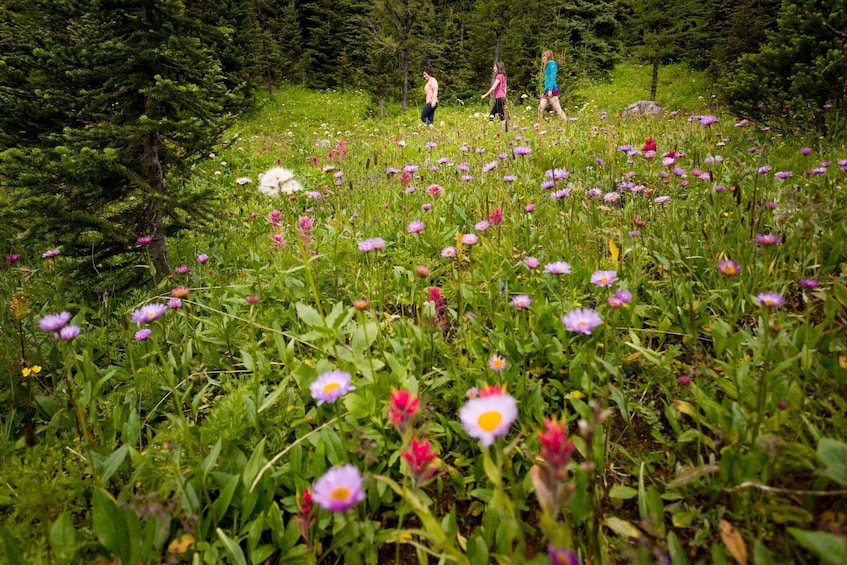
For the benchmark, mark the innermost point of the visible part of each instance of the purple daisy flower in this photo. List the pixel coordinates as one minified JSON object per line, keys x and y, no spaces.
{"x":470,"y":239}
{"x":770,"y":299}
{"x":69,"y":332}
{"x":448,"y":252}
{"x":54,"y":322}
{"x":767,"y":239}
{"x":604,"y":278}
{"x":148,"y":313}
{"x":521,"y":301}
{"x":582,"y":320}
{"x":557,"y":268}
{"x":620,"y":298}
{"x":809,"y":283}
{"x":331,"y":386}
{"x":339,"y":489}
{"x":728,"y":268}
{"x":143,"y":334}
{"x":415,"y":226}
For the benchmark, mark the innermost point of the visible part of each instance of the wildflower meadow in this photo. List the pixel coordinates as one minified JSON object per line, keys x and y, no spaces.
{"x":598,"y":340}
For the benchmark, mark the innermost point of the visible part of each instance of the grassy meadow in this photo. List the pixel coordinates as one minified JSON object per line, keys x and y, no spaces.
{"x":602,"y":340}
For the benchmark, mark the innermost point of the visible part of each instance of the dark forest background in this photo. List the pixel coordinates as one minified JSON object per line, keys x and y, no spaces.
{"x":108,"y":104}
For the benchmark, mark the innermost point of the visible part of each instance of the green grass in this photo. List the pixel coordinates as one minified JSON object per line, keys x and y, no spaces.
{"x":209,"y":428}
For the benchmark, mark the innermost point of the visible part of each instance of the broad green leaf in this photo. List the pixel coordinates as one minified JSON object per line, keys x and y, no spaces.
{"x":828,"y":547}
{"x":112,"y":463}
{"x":833,"y":454}
{"x":232,"y":548}
{"x":62,"y":533}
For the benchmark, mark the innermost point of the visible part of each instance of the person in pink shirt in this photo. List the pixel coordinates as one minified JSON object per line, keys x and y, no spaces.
{"x":498,"y":87}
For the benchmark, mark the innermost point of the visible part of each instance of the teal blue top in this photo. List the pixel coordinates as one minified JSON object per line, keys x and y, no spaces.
{"x":550,"y":75}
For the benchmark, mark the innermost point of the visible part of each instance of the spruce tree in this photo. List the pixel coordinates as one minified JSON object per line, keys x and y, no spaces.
{"x":144,"y":96}
{"x":799,"y":78}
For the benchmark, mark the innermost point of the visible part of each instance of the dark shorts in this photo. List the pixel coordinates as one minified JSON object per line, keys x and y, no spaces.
{"x":499,"y":109}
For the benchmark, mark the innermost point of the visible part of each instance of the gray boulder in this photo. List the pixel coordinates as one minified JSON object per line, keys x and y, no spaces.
{"x":643,"y":108}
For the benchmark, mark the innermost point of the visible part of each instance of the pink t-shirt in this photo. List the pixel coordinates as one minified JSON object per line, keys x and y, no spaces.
{"x":500,"y":91}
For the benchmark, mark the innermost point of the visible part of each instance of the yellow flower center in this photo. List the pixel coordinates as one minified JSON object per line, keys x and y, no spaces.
{"x":329,"y":387}
{"x":340,"y":493}
{"x":490,"y":420}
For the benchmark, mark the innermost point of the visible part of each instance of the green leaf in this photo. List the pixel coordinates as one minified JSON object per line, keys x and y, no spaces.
{"x":254,"y":464}
{"x":828,"y":547}
{"x":112,"y":463}
{"x":233,"y":548}
{"x":310,"y":316}
{"x":109,"y":523}
{"x":62,"y":533}
{"x":210,"y":459}
{"x":13,"y":552}
{"x":833,"y":454}
{"x":622,"y":492}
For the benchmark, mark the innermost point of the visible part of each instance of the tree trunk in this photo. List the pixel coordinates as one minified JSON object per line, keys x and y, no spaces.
{"x":153,"y":219}
{"x":404,"y":68}
{"x":654,"y":83}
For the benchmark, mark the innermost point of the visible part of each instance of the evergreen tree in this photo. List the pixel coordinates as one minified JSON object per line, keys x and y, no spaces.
{"x":145,"y":99}
{"x":396,"y":28}
{"x":660,"y":34}
{"x":799,"y":78}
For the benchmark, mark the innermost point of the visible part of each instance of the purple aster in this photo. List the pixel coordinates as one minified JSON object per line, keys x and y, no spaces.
{"x":805,"y":150}
{"x":521,"y":301}
{"x":763,"y":169}
{"x":561,"y":556}
{"x":557,"y":174}
{"x":582,"y":320}
{"x":202,"y":258}
{"x":13,"y":258}
{"x":548,"y":184}
{"x":448,"y":251}
{"x":770,"y":299}
{"x":594,"y":192}
{"x":707,"y":120}
{"x":144,"y":240}
{"x":620,"y":298}
{"x":148,"y":313}
{"x":531,"y":262}
{"x":464,"y":166}
{"x":54,"y":322}
{"x":522,"y":150}
{"x":331,"y":386}
{"x":510,"y":178}
{"x":635,"y":233}
{"x":661,"y":199}
{"x":603,"y":278}
{"x":767,"y":239}
{"x":560,"y":193}
{"x":410,"y":168}
{"x":481,"y":225}
{"x":470,"y":239}
{"x":444,"y":161}
{"x":809,"y":283}
{"x":339,"y":489}
{"x":624,"y":148}
{"x":466,"y":178}
{"x":728,"y":268}
{"x":668,"y":161}
{"x":143,"y":334}
{"x":557,"y":268}
{"x":502,"y":156}
{"x":68,"y":333}
{"x":529,"y":208}
{"x":817,"y":171}
{"x":50,"y":253}
{"x":611,"y":197}
{"x":426,"y":207}
{"x":415,"y":226}
{"x":175,"y":303}
{"x":489,"y":166}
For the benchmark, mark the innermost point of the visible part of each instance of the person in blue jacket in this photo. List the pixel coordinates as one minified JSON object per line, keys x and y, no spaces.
{"x":551,"y":89}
